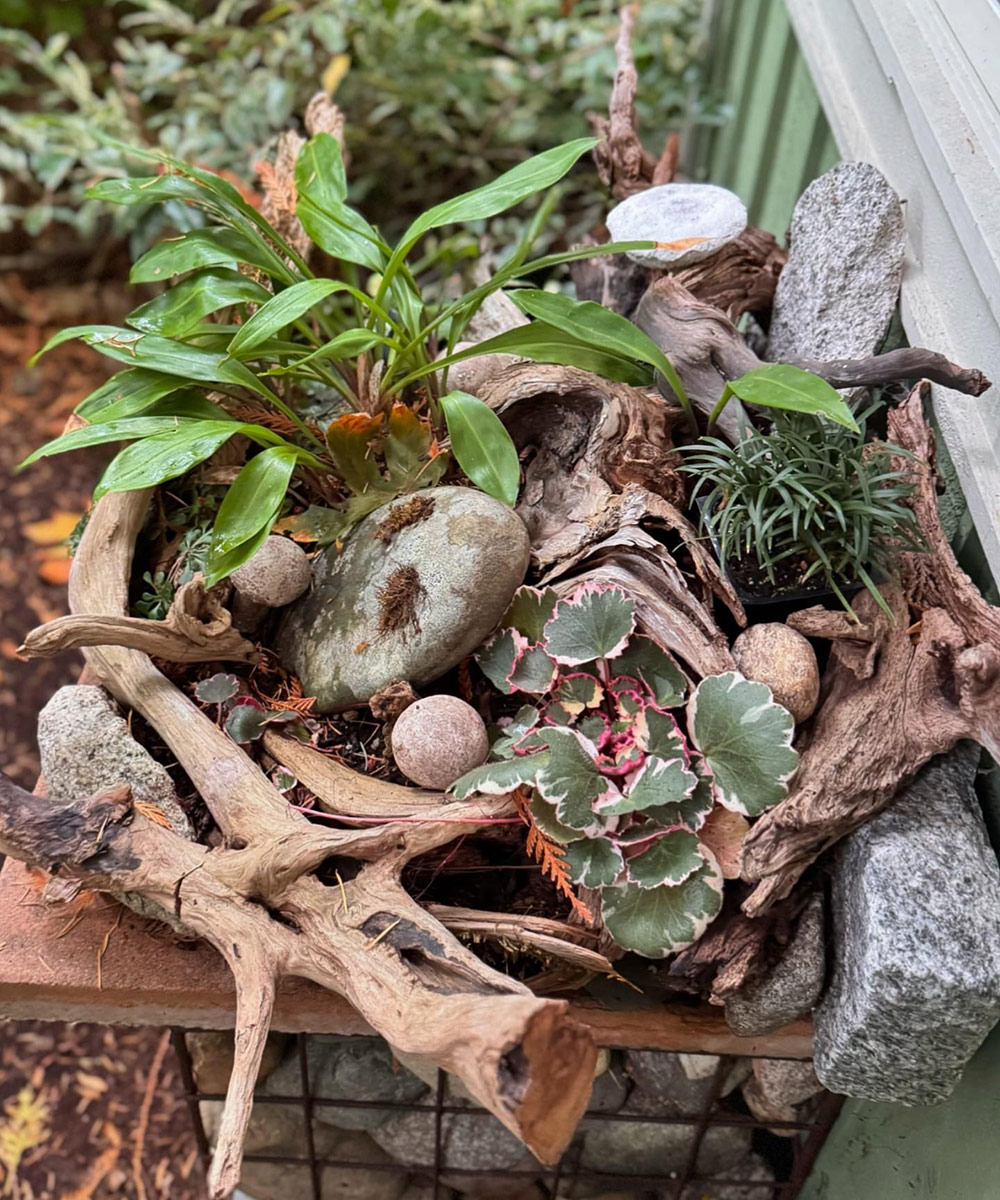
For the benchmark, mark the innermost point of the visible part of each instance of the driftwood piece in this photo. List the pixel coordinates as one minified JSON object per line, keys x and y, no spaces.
{"x":198,"y":628}
{"x":257,"y":901}
{"x":708,"y":350}
{"x":894,"y":696}
{"x":623,"y":163}
{"x":599,"y":467}
{"x":738,"y":278}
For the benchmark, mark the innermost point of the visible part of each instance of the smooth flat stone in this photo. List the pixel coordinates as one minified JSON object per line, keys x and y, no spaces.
{"x":405,"y":598}
{"x":694,"y":219}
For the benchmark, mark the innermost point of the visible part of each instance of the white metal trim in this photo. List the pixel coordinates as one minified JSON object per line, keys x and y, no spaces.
{"x":905,"y":86}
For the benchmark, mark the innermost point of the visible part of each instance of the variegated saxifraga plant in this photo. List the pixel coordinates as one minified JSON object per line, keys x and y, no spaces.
{"x":623,"y":765}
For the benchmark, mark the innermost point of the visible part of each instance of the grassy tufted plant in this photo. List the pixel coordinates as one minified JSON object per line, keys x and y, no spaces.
{"x":623,"y":765}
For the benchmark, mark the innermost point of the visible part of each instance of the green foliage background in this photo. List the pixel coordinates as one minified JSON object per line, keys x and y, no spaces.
{"x":439,"y":95}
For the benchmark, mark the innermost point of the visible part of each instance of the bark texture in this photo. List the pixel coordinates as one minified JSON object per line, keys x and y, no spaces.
{"x":259,"y":903}
{"x":895,"y":692}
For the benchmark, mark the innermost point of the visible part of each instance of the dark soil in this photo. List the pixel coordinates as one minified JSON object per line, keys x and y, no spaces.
{"x":753,"y":580}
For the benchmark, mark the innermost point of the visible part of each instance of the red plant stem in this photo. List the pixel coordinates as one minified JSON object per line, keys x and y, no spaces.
{"x":315,"y":812}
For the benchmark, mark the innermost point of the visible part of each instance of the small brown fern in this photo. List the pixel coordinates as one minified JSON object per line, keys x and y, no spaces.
{"x":550,"y":855}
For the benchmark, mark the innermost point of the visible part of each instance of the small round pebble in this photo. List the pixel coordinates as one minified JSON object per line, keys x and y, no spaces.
{"x":275,"y":574}
{"x":693,"y":220}
{"x":438,"y":739}
{"x":781,"y":657}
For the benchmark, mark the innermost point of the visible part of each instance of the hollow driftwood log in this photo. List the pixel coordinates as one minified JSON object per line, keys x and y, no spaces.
{"x":894,"y":693}
{"x":259,"y":903}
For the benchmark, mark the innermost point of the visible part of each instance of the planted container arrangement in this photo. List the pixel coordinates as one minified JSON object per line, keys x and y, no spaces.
{"x":385,"y":563}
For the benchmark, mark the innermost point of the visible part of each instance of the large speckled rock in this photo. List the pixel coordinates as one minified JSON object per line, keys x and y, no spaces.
{"x":418,"y":585}
{"x":838,"y":290}
{"x":692,"y":219}
{"x":916,"y":931}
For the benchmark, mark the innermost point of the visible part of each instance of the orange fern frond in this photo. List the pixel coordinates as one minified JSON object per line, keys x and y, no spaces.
{"x":550,"y":855}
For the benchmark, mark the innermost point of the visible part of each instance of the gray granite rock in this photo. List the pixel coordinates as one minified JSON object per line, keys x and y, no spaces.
{"x":755,"y":1170}
{"x":86,"y":747}
{"x":348,"y":1068}
{"x":791,"y":987}
{"x":708,"y":215}
{"x":650,"y":1148}
{"x":916,"y":917}
{"x":474,"y":1142}
{"x":404,"y":602}
{"x":838,"y":290}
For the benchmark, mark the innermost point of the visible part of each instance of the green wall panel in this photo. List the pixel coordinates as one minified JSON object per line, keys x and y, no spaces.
{"x":776,"y":140}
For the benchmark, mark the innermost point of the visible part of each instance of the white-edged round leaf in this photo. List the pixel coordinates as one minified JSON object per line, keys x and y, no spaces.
{"x":745,"y":737}
{"x":645,"y":659}
{"x":655,"y":922}
{"x":658,"y":781}
{"x":499,"y":778}
{"x":544,"y":816}
{"x":529,"y":610}
{"x":533,"y":671}
{"x":496,"y":658}
{"x":592,"y":623}
{"x":671,"y":859}
{"x":571,"y":781}
{"x":594,"y":862}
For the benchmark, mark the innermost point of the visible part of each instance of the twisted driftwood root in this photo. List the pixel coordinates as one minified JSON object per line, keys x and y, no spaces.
{"x":258,"y":902}
{"x":893,"y":696}
{"x":708,"y":350}
{"x":198,"y":628}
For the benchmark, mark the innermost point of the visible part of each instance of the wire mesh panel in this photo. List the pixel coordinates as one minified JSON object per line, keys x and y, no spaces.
{"x":789,"y":1147}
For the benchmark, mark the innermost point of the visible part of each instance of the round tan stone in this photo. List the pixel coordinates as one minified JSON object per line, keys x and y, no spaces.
{"x":438,"y":739}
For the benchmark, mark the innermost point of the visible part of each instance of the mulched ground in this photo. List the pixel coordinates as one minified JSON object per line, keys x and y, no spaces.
{"x":93,"y":1112}
{"x":87,"y":1112}
{"x":38,"y":510}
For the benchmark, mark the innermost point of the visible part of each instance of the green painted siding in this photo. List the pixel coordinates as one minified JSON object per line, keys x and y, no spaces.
{"x":776,"y":140}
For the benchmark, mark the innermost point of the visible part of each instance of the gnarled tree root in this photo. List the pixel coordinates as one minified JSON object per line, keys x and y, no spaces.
{"x":257,"y":901}
{"x":893,"y":695}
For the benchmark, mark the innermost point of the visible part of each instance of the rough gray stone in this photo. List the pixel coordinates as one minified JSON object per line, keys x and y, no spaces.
{"x":473,"y":1142}
{"x":791,"y":987}
{"x":641,"y":1148}
{"x":785,"y":1081}
{"x":755,"y":1169}
{"x":916,"y":913}
{"x":85,"y":747}
{"x":675,"y":212}
{"x":663,"y":1086}
{"x":408,"y":604}
{"x":838,"y":290}
{"x":348,"y":1068}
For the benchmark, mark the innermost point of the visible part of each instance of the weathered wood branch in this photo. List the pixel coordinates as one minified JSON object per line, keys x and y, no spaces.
{"x":894,"y":694}
{"x":708,"y":350}
{"x":256,"y":901}
{"x":198,"y":628}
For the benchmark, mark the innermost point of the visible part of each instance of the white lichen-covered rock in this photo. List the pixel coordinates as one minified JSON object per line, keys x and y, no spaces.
{"x":417,"y":586}
{"x":690,"y":220}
